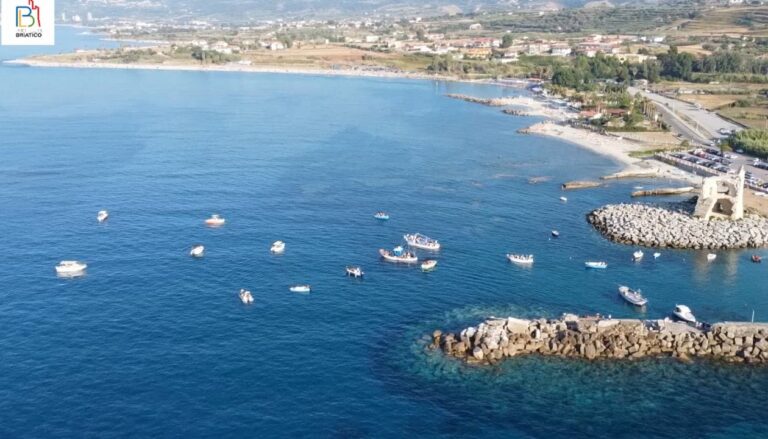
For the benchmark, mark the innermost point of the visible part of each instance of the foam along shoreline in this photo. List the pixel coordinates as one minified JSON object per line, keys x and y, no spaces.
{"x":238,"y":68}
{"x":615,"y":148}
{"x":593,"y":338}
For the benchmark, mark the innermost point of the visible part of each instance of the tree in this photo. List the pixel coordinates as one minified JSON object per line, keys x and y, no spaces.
{"x":507,"y":40}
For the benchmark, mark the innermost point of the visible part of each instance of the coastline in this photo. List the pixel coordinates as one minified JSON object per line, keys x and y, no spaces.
{"x":615,"y":148}
{"x":241,"y":68}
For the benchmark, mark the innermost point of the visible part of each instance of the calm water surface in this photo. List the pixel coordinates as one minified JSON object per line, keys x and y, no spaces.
{"x":153,"y":343}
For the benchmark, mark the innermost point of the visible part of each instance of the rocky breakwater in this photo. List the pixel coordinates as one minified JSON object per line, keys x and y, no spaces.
{"x":652,"y":226}
{"x":594,"y":338}
{"x":491,"y":102}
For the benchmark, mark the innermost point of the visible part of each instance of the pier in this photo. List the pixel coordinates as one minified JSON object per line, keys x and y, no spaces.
{"x":592,"y":338}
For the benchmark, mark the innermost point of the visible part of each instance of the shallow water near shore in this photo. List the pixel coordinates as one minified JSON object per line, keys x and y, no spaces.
{"x":153,"y":343}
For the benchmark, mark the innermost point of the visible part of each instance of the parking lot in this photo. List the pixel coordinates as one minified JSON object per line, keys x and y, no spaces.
{"x":729,"y":163}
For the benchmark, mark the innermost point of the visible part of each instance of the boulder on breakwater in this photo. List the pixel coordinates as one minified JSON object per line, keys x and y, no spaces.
{"x":653,"y":226}
{"x":593,"y":338}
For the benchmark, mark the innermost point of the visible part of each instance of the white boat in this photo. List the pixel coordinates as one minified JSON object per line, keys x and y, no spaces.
{"x":354,"y":272}
{"x":300,"y":289}
{"x":596,"y":264}
{"x":636,"y":256}
{"x":397,"y":255}
{"x":102,"y":216}
{"x":215,"y":221}
{"x":555,"y":234}
{"x":197,"y":251}
{"x":520,"y":259}
{"x":428,"y":265}
{"x":632,"y":296}
{"x":245,"y":296}
{"x":418,"y":240}
{"x":684,"y":313}
{"x":711,"y":257}
{"x":278,"y":247}
{"x":71,"y":268}
{"x":381,"y":215}
{"x":656,"y":255}
{"x":564,"y":199}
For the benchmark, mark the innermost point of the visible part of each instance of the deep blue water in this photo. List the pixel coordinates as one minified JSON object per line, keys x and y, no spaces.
{"x":153,"y":343}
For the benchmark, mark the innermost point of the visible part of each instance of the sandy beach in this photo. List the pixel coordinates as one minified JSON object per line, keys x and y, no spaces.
{"x":240,"y":68}
{"x":616,"y":148}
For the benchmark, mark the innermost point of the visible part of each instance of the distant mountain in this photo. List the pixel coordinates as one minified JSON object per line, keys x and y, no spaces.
{"x":243,"y":10}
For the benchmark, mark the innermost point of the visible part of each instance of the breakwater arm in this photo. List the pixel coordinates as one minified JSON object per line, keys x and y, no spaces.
{"x":570,"y":185}
{"x":664,"y":191}
{"x":593,"y":337}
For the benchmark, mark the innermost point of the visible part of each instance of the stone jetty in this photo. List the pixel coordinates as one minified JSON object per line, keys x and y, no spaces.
{"x":654,"y":226}
{"x":491,"y":102}
{"x":570,"y":185}
{"x":663,"y":191}
{"x":593,"y":338}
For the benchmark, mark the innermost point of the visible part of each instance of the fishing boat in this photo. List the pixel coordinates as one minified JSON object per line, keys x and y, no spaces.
{"x":711,"y":257}
{"x":300,"y":289}
{"x":245,"y":296}
{"x":398,"y":255}
{"x":632,"y":296}
{"x":215,"y":221}
{"x":428,"y":265}
{"x":71,"y":268}
{"x":684,"y":313}
{"x":638,"y":255}
{"x":757,"y":259}
{"x":520,"y":259}
{"x":102,"y":216}
{"x":197,"y":251}
{"x":418,"y":240}
{"x":278,"y":247}
{"x":596,"y":264}
{"x":354,"y":272}
{"x":656,"y":255}
{"x":555,"y":234}
{"x":564,"y":199}
{"x":381,"y":215}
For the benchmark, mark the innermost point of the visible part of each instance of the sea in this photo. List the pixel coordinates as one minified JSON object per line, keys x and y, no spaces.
{"x":153,"y":343}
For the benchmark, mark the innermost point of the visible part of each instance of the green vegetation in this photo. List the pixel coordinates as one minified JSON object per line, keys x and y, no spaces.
{"x":752,"y":141}
{"x":585,"y":72}
{"x":718,"y":66}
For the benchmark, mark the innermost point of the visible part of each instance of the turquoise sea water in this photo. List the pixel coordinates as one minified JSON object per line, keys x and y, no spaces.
{"x":153,"y":343}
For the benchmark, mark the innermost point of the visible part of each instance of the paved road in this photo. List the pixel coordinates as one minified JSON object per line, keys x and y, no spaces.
{"x":697,"y":124}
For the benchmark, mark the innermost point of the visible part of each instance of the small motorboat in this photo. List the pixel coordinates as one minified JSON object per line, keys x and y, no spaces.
{"x":564,"y":199}
{"x":520,"y":259}
{"x":278,"y":247}
{"x":71,"y":268}
{"x":711,"y":257}
{"x":684,"y":313}
{"x":555,"y":234}
{"x":215,"y":221}
{"x":656,"y":255}
{"x":381,"y":216}
{"x":428,"y":265}
{"x":300,"y":289}
{"x":596,"y":264}
{"x":197,"y":251}
{"x":355,"y":272}
{"x":245,"y":296}
{"x":398,"y":255}
{"x":757,"y":259}
{"x":102,"y":216}
{"x":638,"y":255}
{"x":632,"y":296}
{"x":418,"y":240}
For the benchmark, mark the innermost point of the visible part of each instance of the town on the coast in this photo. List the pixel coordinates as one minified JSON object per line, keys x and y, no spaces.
{"x":676,"y":94}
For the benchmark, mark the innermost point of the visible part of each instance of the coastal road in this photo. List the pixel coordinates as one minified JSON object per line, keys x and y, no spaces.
{"x":696,"y":124}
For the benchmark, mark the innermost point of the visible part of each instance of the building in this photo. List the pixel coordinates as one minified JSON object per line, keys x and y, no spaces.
{"x":561,"y":50}
{"x":722,"y":197}
{"x":477,"y":53}
{"x":371,"y":38}
{"x":475,"y":26}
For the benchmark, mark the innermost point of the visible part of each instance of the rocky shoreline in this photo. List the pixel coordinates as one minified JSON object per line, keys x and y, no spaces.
{"x":653,"y":226}
{"x":593,"y":338}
